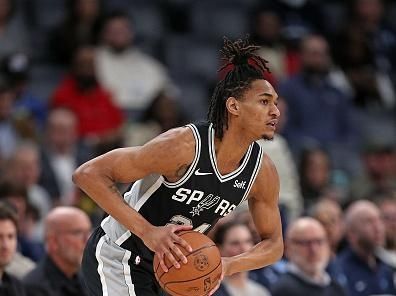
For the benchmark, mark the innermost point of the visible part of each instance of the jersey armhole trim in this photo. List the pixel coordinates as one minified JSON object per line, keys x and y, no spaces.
{"x":254,"y":175}
{"x":191,"y":169}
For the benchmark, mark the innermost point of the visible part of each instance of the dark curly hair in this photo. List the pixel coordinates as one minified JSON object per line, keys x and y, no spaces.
{"x":244,"y":67}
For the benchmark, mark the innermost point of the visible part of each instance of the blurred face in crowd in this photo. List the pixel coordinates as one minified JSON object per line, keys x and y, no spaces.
{"x":315,"y":55}
{"x":118,"y":34}
{"x":24,"y":166}
{"x":365,"y":228}
{"x":62,"y":130}
{"x":67,"y":231}
{"x":307,"y":246}
{"x":87,"y":10}
{"x":268,"y":26}
{"x":329,"y":214}
{"x":6,"y":102}
{"x":317,"y":169}
{"x":369,"y":11}
{"x":84,"y":67}
{"x":388,"y":213}
{"x":8,"y":242}
{"x":237,"y":240}
{"x":5,"y":10}
{"x":379,"y":164}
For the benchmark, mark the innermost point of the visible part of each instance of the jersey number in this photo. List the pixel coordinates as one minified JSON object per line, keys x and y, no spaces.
{"x":181,"y":220}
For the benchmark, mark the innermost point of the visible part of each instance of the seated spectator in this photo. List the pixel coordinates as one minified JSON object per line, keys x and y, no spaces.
{"x":321,"y":113}
{"x":13,"y":34}
{"x":16,"y":69}
{"x":66,"y":232}
{"x":9,"y":133}
{"x":378,"y":176}
{"x":308,"y":252}
{"x":329,"y":213}
{"x":366,"y":275}
{"x":17,"y":196}
{"x":81,"y":26}
{"x":163,"y":114}
{"x":61,"y":154}
{"x":234,"y":238}
{"x":9,"y":285}
{"x":133,"y":77}
{"x":387,"y":206}
{"x":99,"y":120}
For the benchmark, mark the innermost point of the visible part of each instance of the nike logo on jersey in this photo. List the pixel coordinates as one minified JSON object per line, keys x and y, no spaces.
{"x":198,"y":173}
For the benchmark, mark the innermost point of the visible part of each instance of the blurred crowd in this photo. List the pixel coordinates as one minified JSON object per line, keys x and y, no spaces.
{"x":81,"y":77}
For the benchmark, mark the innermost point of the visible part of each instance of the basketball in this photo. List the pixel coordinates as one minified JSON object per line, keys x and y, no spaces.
{"x":199,"y":276}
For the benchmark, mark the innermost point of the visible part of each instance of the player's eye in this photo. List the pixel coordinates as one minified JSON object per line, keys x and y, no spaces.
{"x":264,"y":102}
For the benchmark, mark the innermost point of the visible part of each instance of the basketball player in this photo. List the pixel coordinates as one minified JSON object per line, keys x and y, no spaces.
{"x":187,"y":178}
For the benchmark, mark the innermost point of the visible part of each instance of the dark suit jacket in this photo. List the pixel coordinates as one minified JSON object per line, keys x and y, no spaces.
{"x":11,"y":286}
{"x":47,"y":280}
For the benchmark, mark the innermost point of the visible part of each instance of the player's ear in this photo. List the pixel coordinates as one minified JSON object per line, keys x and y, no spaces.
{"x":232,"y":105}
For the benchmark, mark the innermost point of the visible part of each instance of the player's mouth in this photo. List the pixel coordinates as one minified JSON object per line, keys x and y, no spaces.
{"x":272,"y":124}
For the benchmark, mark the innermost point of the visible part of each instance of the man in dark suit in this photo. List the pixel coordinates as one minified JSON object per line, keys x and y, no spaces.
{"x":66,"y":232}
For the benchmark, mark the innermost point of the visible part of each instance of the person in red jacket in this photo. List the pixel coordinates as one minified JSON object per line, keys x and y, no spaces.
{"x":100,"y":121}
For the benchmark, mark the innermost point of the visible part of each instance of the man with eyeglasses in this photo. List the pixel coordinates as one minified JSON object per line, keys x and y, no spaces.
{"x":66,"y":232}
{"x":308,"y":252}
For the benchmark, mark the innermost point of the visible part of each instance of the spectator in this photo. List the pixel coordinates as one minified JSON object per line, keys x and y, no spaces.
{"x":365,"y":274}
{"x":16,"y":69}
{"x":387,"y":206}
{"x":61,"y":155}
{"x":9,"y":134}
{"x":234,"y":238}
{"x":329,"y":213}
{"x":9,"y":285}
{"x":163,"y":114}
{"x":319,"y":113}
{"x":17,"y":196}
{"x":378,"y":176}
{"x":66,"y":232}
{"x":308,"y":252}
{"x":13,"y":34}
{"x":133,"y":77}
{"x":23,"y":169}
{"x":267,"y":33}
{"x":99,"y":120}
{"x":81,"y":26}
{"x":315,"y":175}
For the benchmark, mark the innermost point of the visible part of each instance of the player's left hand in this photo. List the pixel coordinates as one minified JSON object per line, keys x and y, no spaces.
{"x":224,"y":265}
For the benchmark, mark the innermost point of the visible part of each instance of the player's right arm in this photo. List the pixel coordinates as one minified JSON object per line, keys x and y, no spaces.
{"x":169,"y":154}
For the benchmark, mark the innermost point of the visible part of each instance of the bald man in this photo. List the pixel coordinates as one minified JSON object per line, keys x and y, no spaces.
{"x":308,"y":252}
{"x":365,"y":231}
{"x":66,"y":233}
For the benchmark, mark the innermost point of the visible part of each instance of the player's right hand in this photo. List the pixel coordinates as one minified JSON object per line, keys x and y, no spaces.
{"x":164,"y":241}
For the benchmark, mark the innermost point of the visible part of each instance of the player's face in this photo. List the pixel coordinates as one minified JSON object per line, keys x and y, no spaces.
{"x":8,"y":242}
{"x":259,"y":112}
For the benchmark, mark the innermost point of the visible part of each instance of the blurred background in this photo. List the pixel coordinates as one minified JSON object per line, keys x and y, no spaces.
{"x":81,"y":77}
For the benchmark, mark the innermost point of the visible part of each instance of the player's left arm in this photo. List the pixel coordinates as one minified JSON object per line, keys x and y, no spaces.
{"x":263,"y":206}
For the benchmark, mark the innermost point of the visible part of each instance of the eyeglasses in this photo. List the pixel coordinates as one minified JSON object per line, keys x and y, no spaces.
{"x":309,"y":242}
{"x":78,"y":233}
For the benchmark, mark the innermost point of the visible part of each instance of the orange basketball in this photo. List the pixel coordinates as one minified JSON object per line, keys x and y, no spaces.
{"x":199,"y":276}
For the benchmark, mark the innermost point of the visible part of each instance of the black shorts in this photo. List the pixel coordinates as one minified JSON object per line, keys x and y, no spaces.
{"x":110,"y":270}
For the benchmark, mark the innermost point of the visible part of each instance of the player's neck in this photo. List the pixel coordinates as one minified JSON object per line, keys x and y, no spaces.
{"x":229,"y":151}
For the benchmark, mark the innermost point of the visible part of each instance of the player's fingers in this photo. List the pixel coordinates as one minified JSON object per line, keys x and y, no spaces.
{"x":162,"y":262}
{"x":180,"y":241}
{"x":179,"y":253}
{"x":172,"y":259}
{"x":178,"y":228}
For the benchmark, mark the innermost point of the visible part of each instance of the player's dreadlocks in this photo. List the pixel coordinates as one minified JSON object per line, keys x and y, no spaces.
{"x":246,"y":67}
